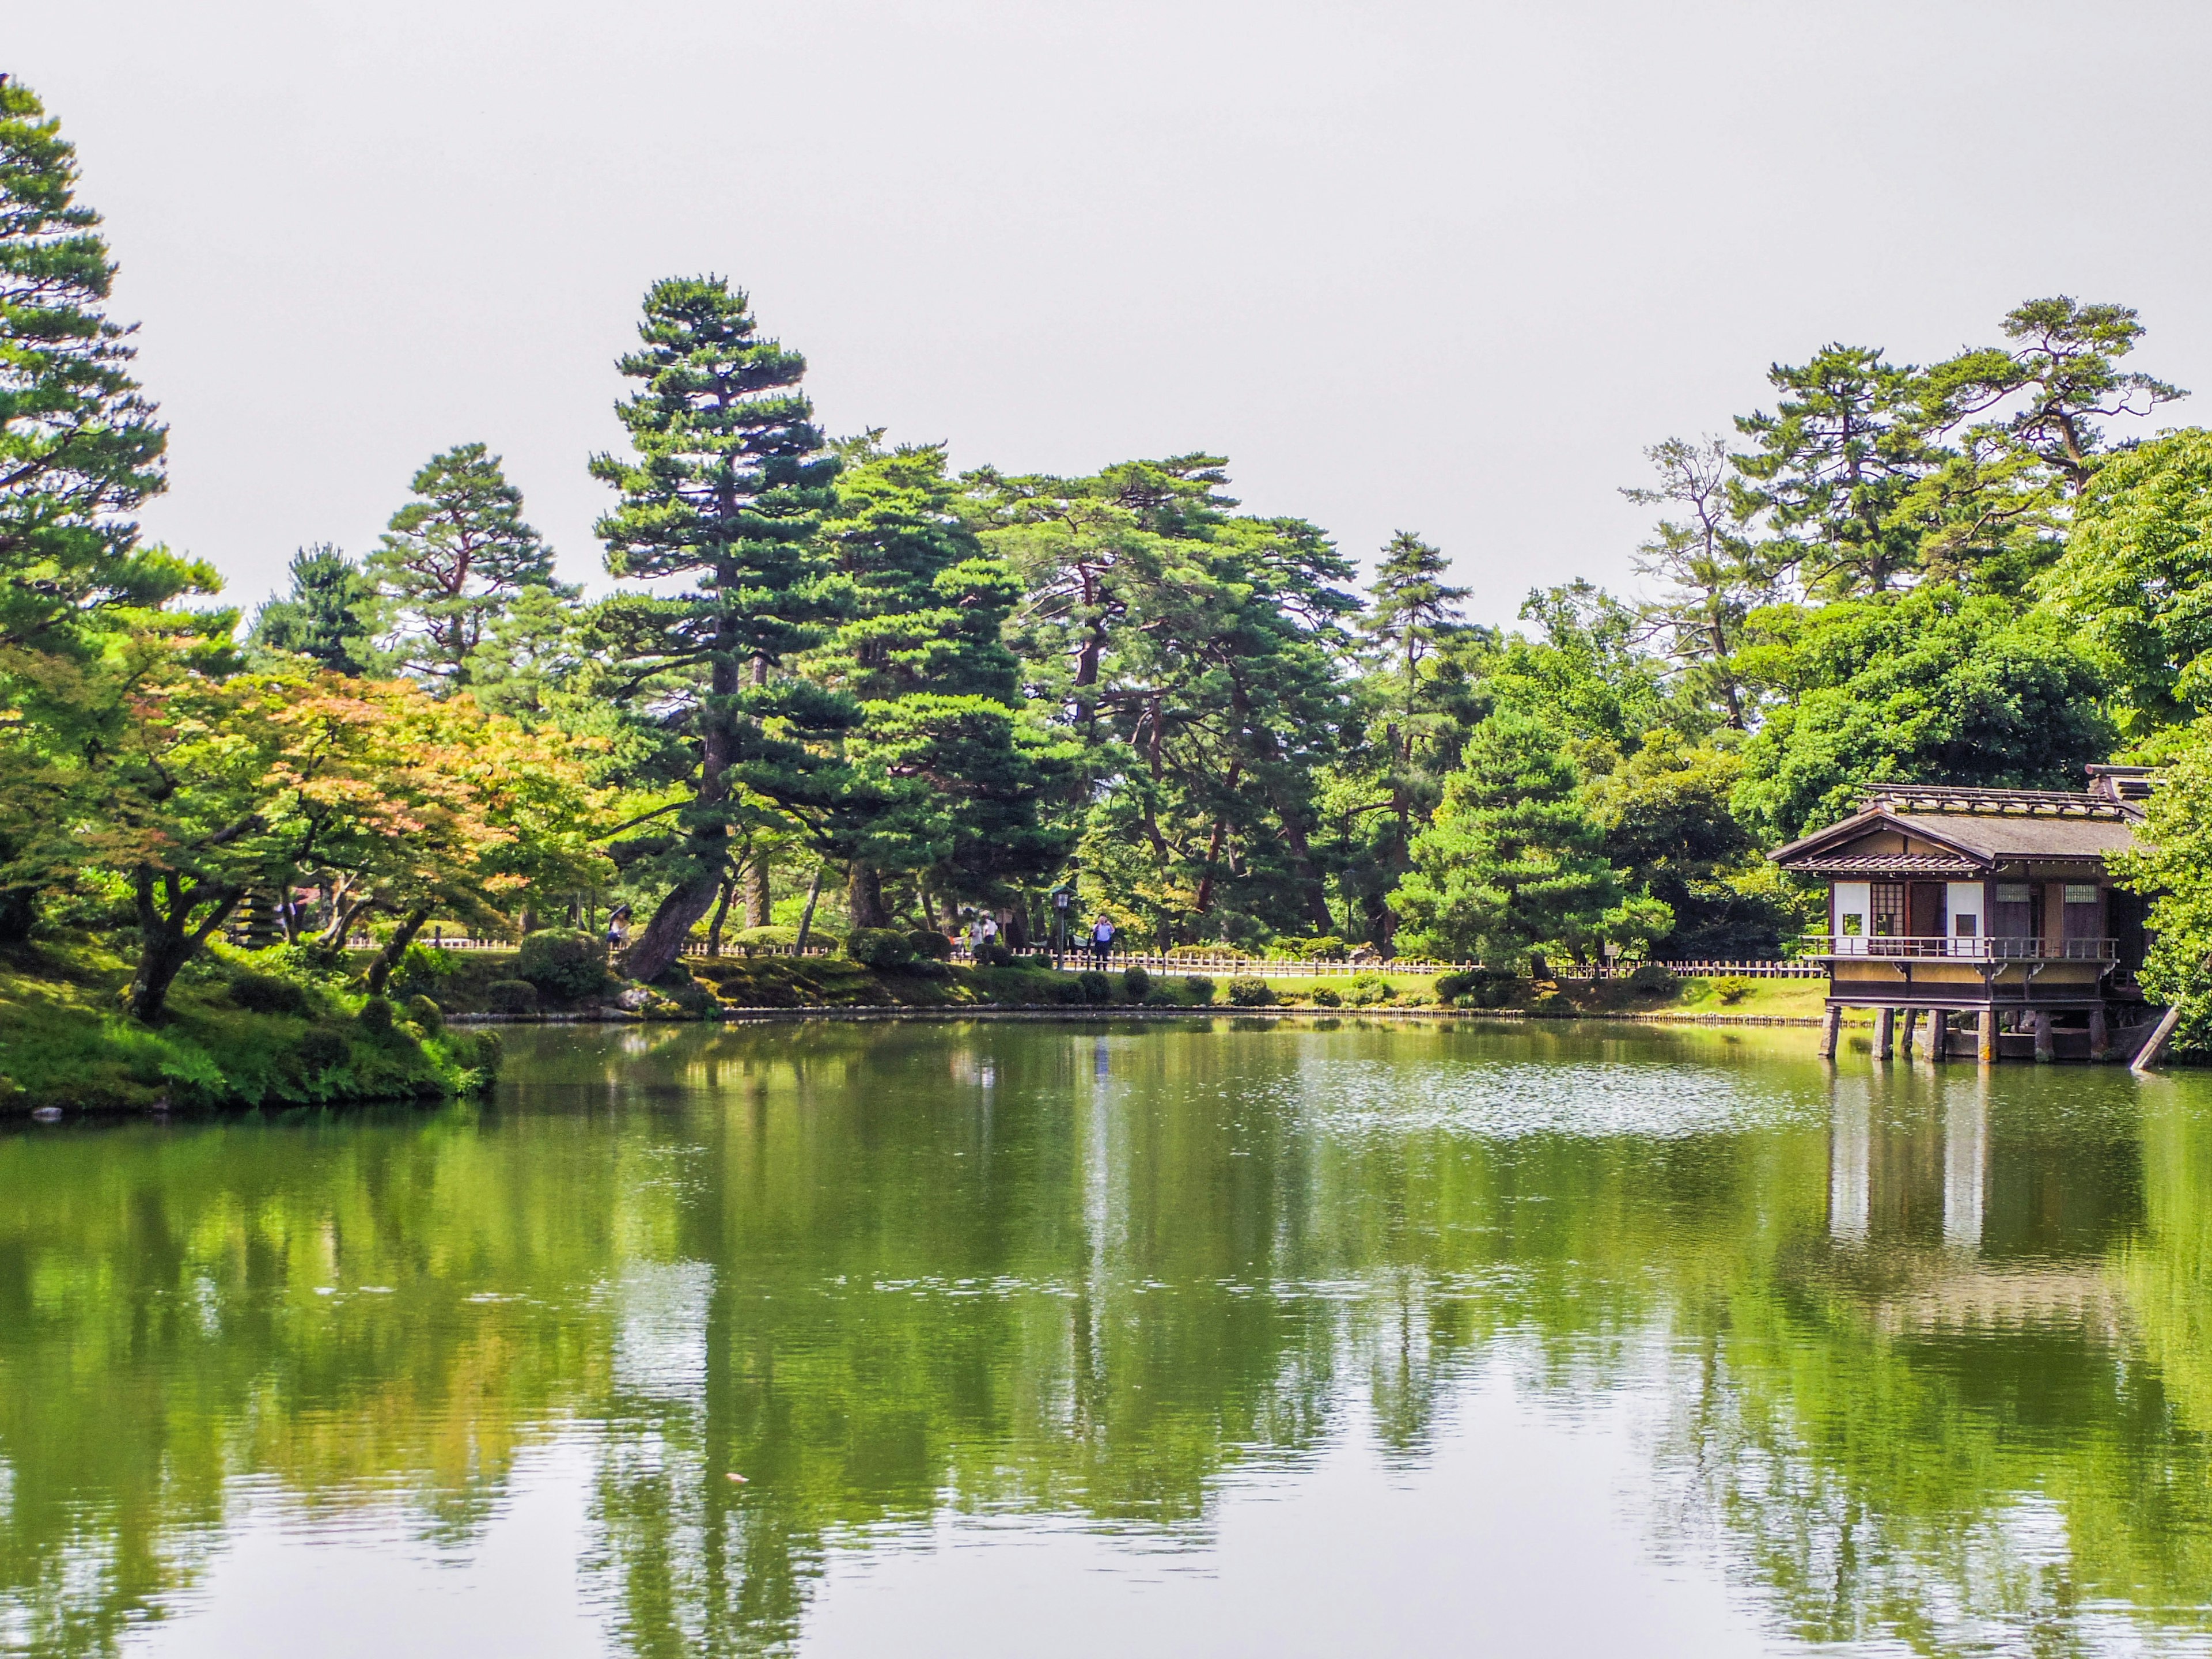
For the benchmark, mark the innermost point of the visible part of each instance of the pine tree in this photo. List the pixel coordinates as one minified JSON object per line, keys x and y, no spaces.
{"x":728,"y":488}
{"x":79,"y":447}
{"x":1514,"y":861}
{"x":79,"y":451}
{"x":327,"y":615}
{"x":453,"y":560}
{"x":949,"y":769}
{"x":1411,"y":614}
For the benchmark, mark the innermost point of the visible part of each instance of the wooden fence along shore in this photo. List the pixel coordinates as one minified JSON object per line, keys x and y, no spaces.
{"x":1226,"y":965}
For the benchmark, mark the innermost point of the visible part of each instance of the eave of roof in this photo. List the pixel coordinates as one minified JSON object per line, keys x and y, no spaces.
{"x":1879,"y":864}
{"x":1871,"y":818}
{"x":1985,"y":839}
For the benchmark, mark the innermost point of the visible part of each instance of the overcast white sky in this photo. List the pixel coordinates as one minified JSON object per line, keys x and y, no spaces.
{"x":1446,"y":267}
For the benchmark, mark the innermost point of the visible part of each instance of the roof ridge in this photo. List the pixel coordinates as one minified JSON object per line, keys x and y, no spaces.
{"x":1974,"y":800}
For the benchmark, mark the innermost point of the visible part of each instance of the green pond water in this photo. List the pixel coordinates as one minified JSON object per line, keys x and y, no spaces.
{"x":1201,"y":1337}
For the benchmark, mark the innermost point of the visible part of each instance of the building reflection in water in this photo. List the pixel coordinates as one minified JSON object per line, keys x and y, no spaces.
{"x":1921,"y":1166}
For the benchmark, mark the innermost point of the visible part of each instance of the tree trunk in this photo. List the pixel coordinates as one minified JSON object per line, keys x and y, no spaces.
{"x":167,"y":940}
{"x":388,"y":959}
{"x":656,"y":948}
{"x":721,"y":910}
{"x":756,"y":894}
{"x":864,"y":895}
{"x":807,"y":915}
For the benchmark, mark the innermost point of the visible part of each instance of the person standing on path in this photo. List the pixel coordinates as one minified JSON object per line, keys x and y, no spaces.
{"x":1102,"y":939}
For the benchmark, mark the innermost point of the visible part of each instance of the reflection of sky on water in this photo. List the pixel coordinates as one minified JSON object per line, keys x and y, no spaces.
{"x":1499,"y":1100}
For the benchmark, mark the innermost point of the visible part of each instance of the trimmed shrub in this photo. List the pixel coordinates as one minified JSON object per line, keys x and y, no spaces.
{"x":1199,"y":988}
{"x":1732,"y":989}
{"x":1327,"y":996}
{"x":1476,"y":987}
{"x":1136,"y":983}
{"x":260,"y":993}
{"x":512,"y":996}
{"x":1326,"y":948}
{"x":1161,"y":997}
{"x":562,"y":962}
{"x":992,"y":954}
{"x":1097,"y":987}
{"x":1250,"y":993}
{"x":1065,"y":990}
{"x":1369,"y":989}
{"x":321,"y":1048}
{"x":756,"y":941}
{"x":1551,"y":1004}
{"x":880,"y":948}
{"x":1652,"y":977}
{"x":927,"y":942}
{"x":427,"y":1015}
{"x":375,"y":1017}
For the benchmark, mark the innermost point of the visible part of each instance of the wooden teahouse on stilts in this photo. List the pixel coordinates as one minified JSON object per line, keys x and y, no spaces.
{"x":1990,"y":912}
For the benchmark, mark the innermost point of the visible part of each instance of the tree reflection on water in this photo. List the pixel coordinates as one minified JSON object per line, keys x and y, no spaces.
{"x":1927,"y":1344}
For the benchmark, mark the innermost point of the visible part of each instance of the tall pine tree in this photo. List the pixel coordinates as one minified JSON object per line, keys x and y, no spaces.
{"x":949,"y":768}
{"x":326,"y":615}
{"x":79,"y":451}
{"x":453,"y":560}
{"x":726,"y":488}
{"x":1514,"y":861}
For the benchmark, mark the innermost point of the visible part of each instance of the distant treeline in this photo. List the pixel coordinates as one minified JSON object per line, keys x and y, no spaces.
{"x":836,"y":667}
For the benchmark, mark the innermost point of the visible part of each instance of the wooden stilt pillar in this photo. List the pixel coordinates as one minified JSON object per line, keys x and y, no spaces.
{"x":1986,"y":1049}
{"x":1831,"y":1029}
{"x":2039,"y":1023}
{"x":2100,"y":1034}
{"x":1911,"y":1025}
{"x":1939,"y":1034}
{"x":1885,"y":1033}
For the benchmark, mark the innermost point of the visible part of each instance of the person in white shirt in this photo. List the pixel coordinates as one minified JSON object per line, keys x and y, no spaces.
{"x":1102,"y":939}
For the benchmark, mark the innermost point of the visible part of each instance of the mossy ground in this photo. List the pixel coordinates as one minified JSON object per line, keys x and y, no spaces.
{"x":66,"y":1042}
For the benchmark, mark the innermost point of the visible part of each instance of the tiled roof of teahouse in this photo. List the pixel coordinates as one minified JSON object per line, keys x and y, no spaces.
{"x":1888,"y":864}
{"x":1988,"y":827}
{"x":1996,"y":803}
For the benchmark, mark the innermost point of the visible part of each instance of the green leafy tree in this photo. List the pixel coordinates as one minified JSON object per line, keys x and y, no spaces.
{"x":452,"y":561}
{"x":2137,"y":577}
{"x":326,"y":615}
{"x":728,"y":488}
{"x":1587,"y":672}
{"x":1667,"y":823}
{"x":1514,"y":861}
{"x":1933,"y":686}
{"x":2171,"y":867}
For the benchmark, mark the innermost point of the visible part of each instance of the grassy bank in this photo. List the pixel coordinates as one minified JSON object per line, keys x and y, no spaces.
{"x":236,"y":1035}
{"x":704,"y":986}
